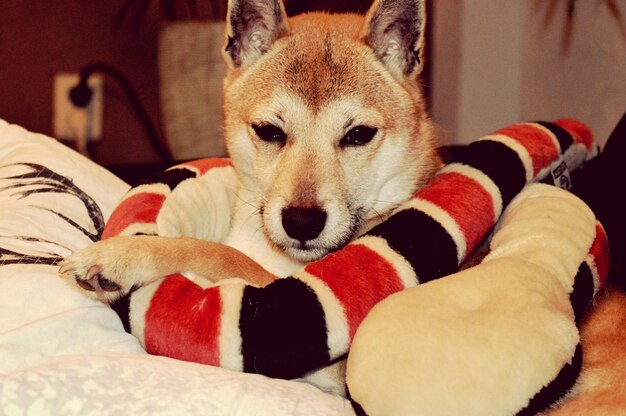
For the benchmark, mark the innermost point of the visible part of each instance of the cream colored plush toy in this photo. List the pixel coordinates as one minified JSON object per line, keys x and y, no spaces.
{"x":499,"y":338}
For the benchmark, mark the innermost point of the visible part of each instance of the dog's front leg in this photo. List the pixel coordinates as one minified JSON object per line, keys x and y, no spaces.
{"x":111,"y":268}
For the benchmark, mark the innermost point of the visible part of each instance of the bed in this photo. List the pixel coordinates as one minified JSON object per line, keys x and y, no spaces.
{"x":65,"y":354}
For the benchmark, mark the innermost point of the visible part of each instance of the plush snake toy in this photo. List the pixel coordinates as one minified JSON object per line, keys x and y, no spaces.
{"x":306,"y":321}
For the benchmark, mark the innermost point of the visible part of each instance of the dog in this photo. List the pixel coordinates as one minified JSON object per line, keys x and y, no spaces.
{"x":326,"y":127}
{"x":327,"y":130}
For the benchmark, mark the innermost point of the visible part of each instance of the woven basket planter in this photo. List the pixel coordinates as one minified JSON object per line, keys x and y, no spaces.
{"x":191,"y":71}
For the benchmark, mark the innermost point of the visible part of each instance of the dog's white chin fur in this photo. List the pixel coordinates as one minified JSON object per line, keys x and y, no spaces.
{"x":310,"y":251}
{"x":305,"y":255}
{"x":308,"y":254}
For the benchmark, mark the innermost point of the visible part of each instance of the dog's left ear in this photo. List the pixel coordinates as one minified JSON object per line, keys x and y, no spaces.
{"x":394,"y":29}
{"x":252,"y":27}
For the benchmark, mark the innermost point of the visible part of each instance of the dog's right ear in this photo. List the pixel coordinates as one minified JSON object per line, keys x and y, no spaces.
{"x":394,"y":29}
{"x":252,"y":26}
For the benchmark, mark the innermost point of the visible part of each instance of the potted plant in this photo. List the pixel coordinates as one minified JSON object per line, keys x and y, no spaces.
{"x":191,"y":70}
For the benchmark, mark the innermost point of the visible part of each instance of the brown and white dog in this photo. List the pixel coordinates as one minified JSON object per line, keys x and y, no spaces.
{"x":326,"y":127}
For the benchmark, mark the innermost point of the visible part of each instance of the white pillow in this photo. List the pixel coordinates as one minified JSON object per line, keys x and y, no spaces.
{"x":52,"y":202}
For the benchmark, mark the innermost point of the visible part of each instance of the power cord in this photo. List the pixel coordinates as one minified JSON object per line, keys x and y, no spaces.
{"x":81,"y":95}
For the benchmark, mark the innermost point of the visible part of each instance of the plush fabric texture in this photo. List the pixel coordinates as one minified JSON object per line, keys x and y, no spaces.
{"x":309,"y":319}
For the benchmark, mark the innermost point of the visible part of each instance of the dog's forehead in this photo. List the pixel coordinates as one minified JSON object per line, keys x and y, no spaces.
{"x":316,"y":72}
{"x":321,"y":62}
{"x":326,"y":67}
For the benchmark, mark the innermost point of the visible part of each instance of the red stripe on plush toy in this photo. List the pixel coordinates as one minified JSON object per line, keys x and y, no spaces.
{"x":139,"y":208}
{"x":183,"y":321}
{"x":473,"y":212}
{"x":204,"y":165}
{"x":359,"y":277}
{"x":599,"y":255}
{"x":542,"y":147}
{"x":579,"y":131}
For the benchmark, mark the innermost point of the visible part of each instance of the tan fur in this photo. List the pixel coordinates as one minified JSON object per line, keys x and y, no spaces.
{"x":601,"y":389}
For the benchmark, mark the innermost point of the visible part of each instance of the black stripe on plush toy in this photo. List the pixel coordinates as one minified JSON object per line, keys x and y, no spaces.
{"x":422,"y":241}
{"x":283,"y":330}
{"x":498,"y":161}
{"x":171,"y":177}
{"x":563,"y":137}
{"x":358,"y":409}
{"x":582,"y":294}
{"x":121,"y":306}
{"x":557,"y":388}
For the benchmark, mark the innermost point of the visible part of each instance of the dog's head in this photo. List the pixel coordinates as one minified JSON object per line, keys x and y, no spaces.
{"x":325,"y":120}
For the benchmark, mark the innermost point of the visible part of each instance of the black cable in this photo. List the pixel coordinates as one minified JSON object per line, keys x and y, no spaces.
{"x":82,"y":93}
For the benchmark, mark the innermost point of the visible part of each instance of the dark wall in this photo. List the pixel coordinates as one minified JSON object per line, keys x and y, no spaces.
{"x":39,"y":38}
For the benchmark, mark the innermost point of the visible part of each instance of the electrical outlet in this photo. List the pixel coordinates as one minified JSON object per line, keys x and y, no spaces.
{"x":66,"y":115}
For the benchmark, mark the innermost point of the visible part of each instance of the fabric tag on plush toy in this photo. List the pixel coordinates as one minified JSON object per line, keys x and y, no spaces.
{"x":560,"y":176}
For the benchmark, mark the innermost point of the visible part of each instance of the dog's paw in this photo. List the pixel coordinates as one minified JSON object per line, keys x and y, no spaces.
{"x":92,"y":281}
{"x":109,"y":269}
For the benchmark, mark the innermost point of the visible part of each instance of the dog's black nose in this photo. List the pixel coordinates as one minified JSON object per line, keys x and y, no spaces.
{"x":303,"y":224}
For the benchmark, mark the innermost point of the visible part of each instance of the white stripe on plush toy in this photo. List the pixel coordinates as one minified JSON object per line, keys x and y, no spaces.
{"x":231,"y":292}
{"x":139,"y":304}
{"x":334,"y":313}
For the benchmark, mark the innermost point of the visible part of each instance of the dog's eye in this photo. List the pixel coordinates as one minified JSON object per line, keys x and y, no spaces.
{"x":270,"y":133}
{"x":358,"y":136}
